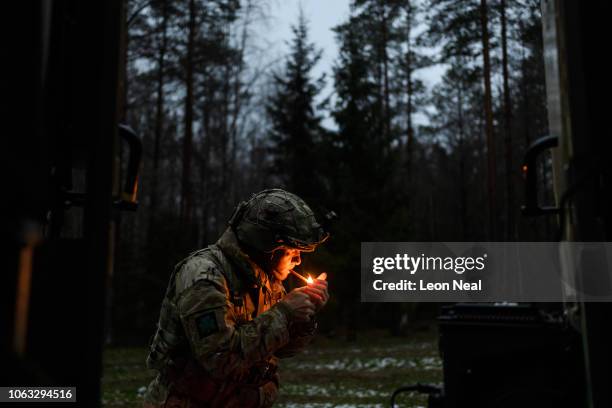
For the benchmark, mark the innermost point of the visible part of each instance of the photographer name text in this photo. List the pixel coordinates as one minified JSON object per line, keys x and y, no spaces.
{"x":421,"y":285}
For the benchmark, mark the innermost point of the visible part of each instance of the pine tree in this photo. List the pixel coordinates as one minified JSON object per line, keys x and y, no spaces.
{"x":488,"y":105}
{"x":411,"y":90}
{"x":359,"y":116}
{"x":295,"y":122}
{"x":461,"y":31}
{"x":510,"y":201}
{"x":186,"y":211}
{"x":453,"y":124}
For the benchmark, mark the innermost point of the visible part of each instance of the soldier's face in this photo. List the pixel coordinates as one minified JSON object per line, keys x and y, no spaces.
{"x":283,"y":260}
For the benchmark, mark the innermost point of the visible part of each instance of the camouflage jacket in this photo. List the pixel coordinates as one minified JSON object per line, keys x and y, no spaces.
{"x":221,"y":312}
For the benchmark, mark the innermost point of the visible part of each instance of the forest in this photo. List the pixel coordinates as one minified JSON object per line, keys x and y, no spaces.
{"x":404,"y":160}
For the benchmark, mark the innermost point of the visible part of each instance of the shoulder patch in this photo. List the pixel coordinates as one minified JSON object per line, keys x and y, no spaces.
{"x":206,"y":324}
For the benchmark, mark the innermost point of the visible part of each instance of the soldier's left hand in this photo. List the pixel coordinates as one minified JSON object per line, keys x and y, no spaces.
{"x":317,"y":290}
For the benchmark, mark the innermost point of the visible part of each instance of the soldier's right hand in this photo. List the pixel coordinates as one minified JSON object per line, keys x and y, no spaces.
{"x":298,"y":301}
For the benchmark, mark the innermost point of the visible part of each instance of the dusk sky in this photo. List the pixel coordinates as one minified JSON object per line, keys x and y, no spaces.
{"x":322,"y":16}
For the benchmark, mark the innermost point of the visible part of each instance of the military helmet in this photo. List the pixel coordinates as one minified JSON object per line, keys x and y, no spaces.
{"x":275,"y":218}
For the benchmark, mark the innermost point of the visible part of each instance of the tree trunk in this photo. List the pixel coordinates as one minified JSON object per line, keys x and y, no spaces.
{"x":206,"y":177}
{"x":511,"y":227}
{"x":409,"y":90}
{"x":159,"y":116}
{"x":225,"y":137}
{"x":237,"y":95}
{"x":462,"y":165}
{"x":186,"y":188}
{"x":123,"y":78}
{"x":525,"y":98}
{"x":491,"y":166}
{"x":385,"y":61}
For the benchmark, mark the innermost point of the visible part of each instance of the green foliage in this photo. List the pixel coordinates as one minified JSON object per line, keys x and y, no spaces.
{"x":454,"y":26}
{"x":296,"y":131}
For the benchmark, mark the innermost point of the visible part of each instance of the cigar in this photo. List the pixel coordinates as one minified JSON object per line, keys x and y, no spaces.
{"x":298,"y":275}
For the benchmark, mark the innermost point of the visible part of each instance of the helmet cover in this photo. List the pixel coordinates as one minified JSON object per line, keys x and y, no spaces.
{"x":276,"y":218}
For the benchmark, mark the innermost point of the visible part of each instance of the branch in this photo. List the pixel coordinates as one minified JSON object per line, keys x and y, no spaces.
{"x":135,"y":14}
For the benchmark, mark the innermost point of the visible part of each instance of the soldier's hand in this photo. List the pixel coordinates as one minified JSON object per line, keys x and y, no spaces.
{"x":299,"y":301}
{"x":317,"y":290}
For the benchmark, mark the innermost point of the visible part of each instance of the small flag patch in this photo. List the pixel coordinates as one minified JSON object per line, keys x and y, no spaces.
{"x":207,"y":324}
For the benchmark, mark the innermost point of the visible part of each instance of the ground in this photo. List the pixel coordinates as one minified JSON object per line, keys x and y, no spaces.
{"x":331,"y":373}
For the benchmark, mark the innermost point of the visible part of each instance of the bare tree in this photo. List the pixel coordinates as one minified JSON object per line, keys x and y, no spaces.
{"x":510,"y":222}
{"x":491,"y":165}
{"x":159,"y":110}
{"x":186,"y":210}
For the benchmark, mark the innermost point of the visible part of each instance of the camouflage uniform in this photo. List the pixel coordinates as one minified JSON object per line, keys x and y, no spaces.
{"x":221,"y":331}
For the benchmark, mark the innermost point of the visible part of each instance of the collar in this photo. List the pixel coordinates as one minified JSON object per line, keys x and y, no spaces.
{"x":245,"y":267}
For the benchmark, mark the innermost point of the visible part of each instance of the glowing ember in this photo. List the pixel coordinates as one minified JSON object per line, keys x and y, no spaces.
{"x":309,"y":279}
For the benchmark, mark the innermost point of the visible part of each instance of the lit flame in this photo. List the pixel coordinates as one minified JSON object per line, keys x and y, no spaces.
{"x":310,"y":279}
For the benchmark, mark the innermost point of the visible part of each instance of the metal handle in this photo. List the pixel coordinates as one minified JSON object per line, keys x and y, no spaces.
{"x":128,"y":199}
{"x":531,"y":207}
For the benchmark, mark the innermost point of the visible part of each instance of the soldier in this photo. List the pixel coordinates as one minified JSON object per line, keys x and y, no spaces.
{"x":226,"y":318}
